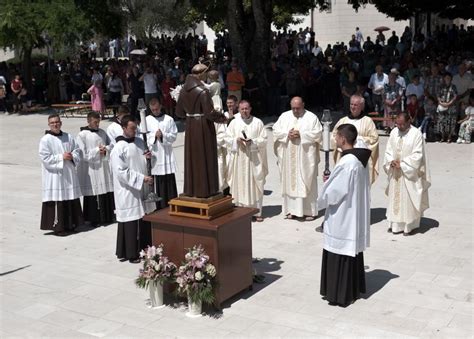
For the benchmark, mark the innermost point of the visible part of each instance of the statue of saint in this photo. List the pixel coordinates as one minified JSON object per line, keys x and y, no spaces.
{"x":201,"y":174}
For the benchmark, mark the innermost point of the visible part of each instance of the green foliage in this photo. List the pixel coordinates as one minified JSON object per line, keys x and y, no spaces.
{"x":25,"y":23}
{"x":145,"y":17}
{"x":204,"y":293}
{"x":404,"y":9}
{"x":105,"y":17}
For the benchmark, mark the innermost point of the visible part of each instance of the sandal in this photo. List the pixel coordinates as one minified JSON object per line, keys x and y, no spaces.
{"x":310,"y":218}
{"x":289,"y":216}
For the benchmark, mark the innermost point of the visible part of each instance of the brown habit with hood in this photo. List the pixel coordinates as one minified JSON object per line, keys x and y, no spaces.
{"x":201,"y":177}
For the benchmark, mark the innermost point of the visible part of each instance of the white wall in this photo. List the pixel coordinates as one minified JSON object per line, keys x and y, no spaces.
{"x":339,"y":24}
{"x":6,"y":54}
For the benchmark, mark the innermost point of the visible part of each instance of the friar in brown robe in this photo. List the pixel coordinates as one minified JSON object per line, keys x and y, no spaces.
{"x":201,"y":175}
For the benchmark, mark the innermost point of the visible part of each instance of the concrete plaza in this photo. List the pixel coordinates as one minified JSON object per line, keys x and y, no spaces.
{"x":74,"y":286}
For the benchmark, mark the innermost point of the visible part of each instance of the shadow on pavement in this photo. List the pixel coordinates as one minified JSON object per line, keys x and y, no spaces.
{"x":376,"y":280}
{"x":377,"y":215}
{"x":263,"y":267}
{"x":426,"y":224}
{"x":271,"y":211}
{"x":15,"y":270}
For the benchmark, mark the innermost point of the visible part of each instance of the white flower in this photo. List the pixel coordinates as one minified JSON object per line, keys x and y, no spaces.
{"x":142,"y":254}
{"x":211,"y":270}
{"x":198,"y":276}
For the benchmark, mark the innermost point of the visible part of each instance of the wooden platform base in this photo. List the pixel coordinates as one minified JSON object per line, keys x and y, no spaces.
{"x":206,"y":210}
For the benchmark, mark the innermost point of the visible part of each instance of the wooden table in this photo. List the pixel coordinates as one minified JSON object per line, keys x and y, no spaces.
{"x":227,"y":240}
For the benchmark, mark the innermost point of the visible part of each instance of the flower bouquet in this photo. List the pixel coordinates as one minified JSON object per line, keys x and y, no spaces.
{"x":196,"y":279}
{"x":157,"y":269}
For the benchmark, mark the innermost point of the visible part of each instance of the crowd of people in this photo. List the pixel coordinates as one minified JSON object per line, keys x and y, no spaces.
{"x":431,"y":76}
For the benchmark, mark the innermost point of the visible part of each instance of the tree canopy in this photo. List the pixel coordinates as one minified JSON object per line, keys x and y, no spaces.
{"x":404,"y":9}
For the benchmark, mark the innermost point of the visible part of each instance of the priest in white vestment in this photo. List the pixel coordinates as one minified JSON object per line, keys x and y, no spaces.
{"x":60,"y":155}
{"x":131,"y":186}
{"x":246,"y":139}
{"x":346,"y":198}
{"x":408,"y":177}
{"x":94,"y":173}
{"x":367,"y":134}
{"x":297,"y":136}
{"x":162,"y":133}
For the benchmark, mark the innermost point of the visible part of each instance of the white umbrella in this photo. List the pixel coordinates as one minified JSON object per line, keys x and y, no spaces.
{"x":138,"y":52}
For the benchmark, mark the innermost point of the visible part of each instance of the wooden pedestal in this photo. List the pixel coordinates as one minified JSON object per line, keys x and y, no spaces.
{"x":226,"y":239}
{"x":206,"y":209}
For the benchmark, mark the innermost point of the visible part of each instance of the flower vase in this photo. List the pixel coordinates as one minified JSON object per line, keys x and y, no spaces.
{"x":194,"y":308}
{"x":156,"y":294}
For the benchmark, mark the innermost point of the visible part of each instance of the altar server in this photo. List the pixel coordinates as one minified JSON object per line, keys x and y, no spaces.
{"x":346,"y":198}
{"x":131,"y":185}
{"x":162,"y":133}
{"x":60,"y":155}
{"x":115,"y":130}
{"x":246,"y":139}
{"x":297,"y":135}
{"x":94,"y":173}
{"x":408,"y":177}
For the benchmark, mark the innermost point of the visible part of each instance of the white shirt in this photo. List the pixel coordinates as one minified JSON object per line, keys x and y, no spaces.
{"x":377,"y":83}
{"x":150,"y":80}
{"x":418,"y":90}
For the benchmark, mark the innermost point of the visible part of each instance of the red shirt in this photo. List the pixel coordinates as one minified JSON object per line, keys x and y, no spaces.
{"x":17,"y":85}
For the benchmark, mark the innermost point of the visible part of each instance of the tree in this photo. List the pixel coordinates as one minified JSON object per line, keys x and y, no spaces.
{"x":145,"y":17}
{"x":249,"y":24}
{"x":24,"y":25}
{"x":405,"y":9}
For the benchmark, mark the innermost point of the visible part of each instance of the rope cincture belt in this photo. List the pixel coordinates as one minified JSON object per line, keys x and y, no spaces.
{"x":195,"y":116}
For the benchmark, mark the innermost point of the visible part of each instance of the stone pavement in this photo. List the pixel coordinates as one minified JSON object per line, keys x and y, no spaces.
{"x":418,"y":286}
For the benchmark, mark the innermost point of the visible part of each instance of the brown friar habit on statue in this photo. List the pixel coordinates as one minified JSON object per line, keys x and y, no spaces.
{"x":201,"y":176}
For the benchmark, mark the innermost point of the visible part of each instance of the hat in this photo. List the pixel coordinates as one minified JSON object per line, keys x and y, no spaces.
{"x":394,"y":70}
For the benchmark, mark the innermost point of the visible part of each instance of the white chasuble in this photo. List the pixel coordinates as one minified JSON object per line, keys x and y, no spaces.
{"x":247,"y":167}
{"x":129,"y":169}
{"x":298,"y":161}
{"x":163,"y":160}
{"x":367,"y":136}
{"x":59,"y":176}
{"x":94,"y":171}
{"x":407,"y":187}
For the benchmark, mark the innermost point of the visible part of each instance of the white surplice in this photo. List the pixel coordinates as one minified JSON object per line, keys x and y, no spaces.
{"x":407,"y":187}
{"x":298,"y":162}
{"x":346,"y":197}
{"x":215,"y":92}
{"x":94,"y":171}
{"x":222,"y":155}
{"x":163,"y":160}
{"x":366,"y":134}
{"x":129,"y":168}
{"x":248,"y":166}
{"x":59,"y":176}
{"x":114,"y":130}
